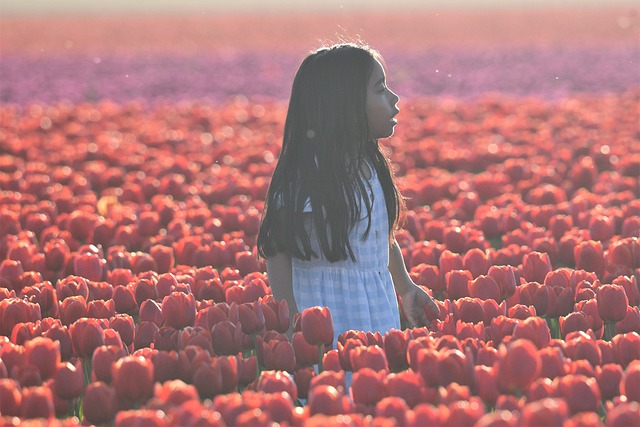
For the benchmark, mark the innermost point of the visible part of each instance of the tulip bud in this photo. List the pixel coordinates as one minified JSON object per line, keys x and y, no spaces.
{"x":37,"y":402}
{"x":99,"y":403}
{"x":630,"y":386}
{"x":179,"y":310}
{"x":612,"y":302}
{"x":317,"y":325}
{"x":544,"y":412}
{"x":276,"y":382}
{"x":368,"y":386}
{"x":133,"y":378}
{"x":535,"y":266}
{"x":518,"y":365}
{"x":44,"y":354}
{"x":69,"y":380}
{"x":325,"y":399}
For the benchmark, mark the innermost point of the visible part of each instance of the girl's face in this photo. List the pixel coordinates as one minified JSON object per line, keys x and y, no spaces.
{"x":381,"y":104}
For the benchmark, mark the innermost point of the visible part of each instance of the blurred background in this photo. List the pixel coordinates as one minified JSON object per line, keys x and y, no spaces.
{"x":163,"y":50}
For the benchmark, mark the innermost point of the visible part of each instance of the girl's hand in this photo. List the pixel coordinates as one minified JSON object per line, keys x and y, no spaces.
{"x":413,"y":304}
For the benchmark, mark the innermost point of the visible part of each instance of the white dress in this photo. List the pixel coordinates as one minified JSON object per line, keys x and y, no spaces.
{"x":359,"y":294}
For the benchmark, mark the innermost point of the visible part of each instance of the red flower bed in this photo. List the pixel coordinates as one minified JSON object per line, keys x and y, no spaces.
{"x":131,"y":293}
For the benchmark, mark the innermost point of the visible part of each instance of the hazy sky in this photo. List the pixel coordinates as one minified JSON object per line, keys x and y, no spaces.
{"x":12,"y":7}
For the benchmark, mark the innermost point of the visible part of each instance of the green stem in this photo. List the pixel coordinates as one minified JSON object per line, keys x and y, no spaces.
{"x":87,"y":368}
{"x":553,"y":327}
{"x":320,"y":355}
{"x":255,"y":350}
{"x":609,"y":330}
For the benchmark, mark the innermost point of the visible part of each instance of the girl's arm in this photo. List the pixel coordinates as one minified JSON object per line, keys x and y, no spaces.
{"x":281,"y":282}
{"x":413,"y":296}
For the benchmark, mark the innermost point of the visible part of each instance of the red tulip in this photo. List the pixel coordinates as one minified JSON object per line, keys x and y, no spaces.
{"x":247,"y":369}
{"x":547,"y":412}
{"x":140,"y":417}
{"x":325,"y":399}
{"x":370,"y":357}
{"x":317,"y":325}
{"x":305,"y":353}
{"x":581,"y":393}
{"x":576,"y":321}
{"x":589,"y":256}
{"x":623,"y":415}
{"x":179,"y":310}
{"x":132,"y":378}
{"x":89,"y":265}
{"x":151,"y":311}
{"x":99,"y":404}
{"x":630,"y":385}
{"x":277,"y":382}
{"x":612,"y":302}
{"x":101,"y":309}
{"x":14,"y":311}
{"x":68,"y":381}
{"x":331,"y":361}
{"x":86,"y":335}
{"x":163,"y":256}
{"x":368,"y":386}
{"x":534,"y":329}
{"x":581,"y":346}
{"x":469,"y":310}
{"x":535,"y":266}
{"x":630,"y":285}
{"x":454,"y":366}
{"x":335,"y":379}
{"x":174,"y":393}
{"x":521,"y":312}
{"x":408,"y":386}
{"x":125,"y":300}
{"x":279,"y":407}
{"x":392,"y":408}
{"x":276,"y":355}
{"x":10,"y":397}
{"x":57,"y":254}
{"x":463,"y":413}
{"x":622,"y":252}
{"x":477,"y":262}
{"x":505,"y":278}
{"x":559,"y":225}
{"x":518,"y":365}
{"x":601,"y":228}
{"x":630,"y":323}
{"x":11,"y":272}
{"x":303,"y":378}
{"x":428,"y":276}
{"x":44,"y":354}
{"x":276,"y":314}
{"x":72,"y":309}
{"x":247,"y":262}
{"x":145,"y":289}
{"x":395,"y":348}
{"x":102,"y":359}
{"x":251,"y":317}
{"x":498,"y":418}
{"x":609,"y":377}
{"x":485,"y":288}
{"x":457,"y":283}
{"x":37,"y":402}
{"x":455,"y":238}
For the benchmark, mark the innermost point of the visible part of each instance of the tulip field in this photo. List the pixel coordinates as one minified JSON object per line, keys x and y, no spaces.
{"x":133,"y":168}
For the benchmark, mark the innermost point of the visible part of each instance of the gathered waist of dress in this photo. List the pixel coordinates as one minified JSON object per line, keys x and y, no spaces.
{"x":340,"y":265}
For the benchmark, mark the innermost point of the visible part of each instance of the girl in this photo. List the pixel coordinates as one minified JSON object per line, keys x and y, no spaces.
{"x":333,"y":205}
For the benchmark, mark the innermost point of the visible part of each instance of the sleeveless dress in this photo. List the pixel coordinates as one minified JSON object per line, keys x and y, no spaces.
{"x":359,"y":294}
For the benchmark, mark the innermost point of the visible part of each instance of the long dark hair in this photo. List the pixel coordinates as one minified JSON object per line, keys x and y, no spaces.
{"x":326,"y":140}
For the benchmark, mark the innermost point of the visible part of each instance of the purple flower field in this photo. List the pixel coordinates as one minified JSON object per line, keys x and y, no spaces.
{"x":549,"y":73}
